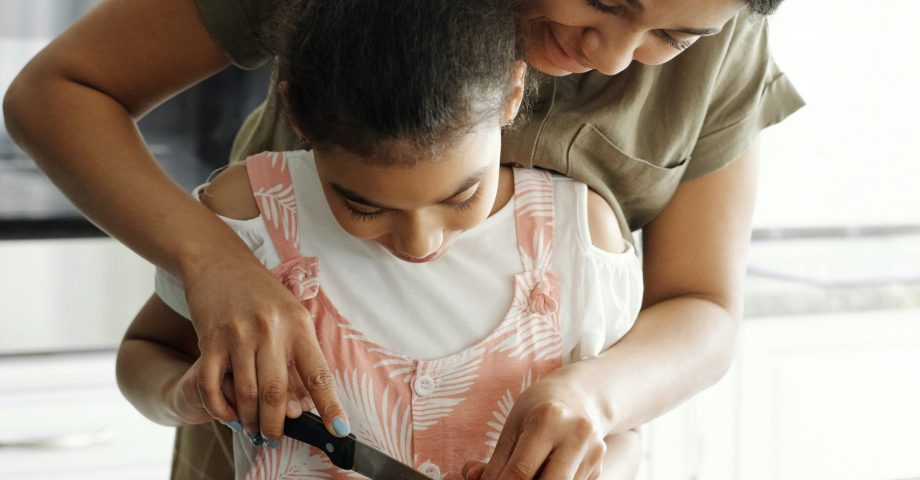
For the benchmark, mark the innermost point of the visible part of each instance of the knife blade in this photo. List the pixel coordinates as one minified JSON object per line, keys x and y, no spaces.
{"x":348,"y":452}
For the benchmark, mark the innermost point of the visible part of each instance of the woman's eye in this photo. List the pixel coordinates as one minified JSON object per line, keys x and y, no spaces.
{"x":673,"y":42}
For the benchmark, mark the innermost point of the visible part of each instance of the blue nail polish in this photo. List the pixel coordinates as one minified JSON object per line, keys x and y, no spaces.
{"x":235,"y":426}
{"x":341,"y":426}
{"x":256,"y":439}
{"x":273,"y":443}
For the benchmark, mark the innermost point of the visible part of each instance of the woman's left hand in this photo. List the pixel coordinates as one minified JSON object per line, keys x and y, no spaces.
{"x":554,"y":431}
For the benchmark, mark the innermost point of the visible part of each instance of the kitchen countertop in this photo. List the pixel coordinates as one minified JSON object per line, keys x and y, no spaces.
{"x":850,"y":271}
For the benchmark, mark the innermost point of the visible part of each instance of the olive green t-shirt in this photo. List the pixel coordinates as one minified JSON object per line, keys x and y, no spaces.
{"x":632,"y":137}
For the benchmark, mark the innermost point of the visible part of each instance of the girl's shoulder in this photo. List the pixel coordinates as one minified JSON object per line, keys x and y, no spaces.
{"x":592,"y":218}
{"x":230,"y":194}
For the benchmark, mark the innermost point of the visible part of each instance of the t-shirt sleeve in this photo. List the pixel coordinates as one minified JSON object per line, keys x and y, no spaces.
{"x":236,"y":27}
{"x":604,"y":291}
{"x":253,"y":233}
{"x":751,"y":93}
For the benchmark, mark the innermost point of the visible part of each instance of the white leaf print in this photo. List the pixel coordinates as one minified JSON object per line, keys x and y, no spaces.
{"x":525,"y":333}
{"x":387,"y":428}
{"x":503,"y":409}
{"x":293,"y":460}
{"x":279,"y":205}
{"x":275,"y":157}
{"x":542,"y":253}
{"x":453,"y":377}
{"x":533,"y":194}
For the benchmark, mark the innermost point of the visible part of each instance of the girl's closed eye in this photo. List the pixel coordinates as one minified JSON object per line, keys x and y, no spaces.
{"x":469,"y":201}
{"x":362,"y":212}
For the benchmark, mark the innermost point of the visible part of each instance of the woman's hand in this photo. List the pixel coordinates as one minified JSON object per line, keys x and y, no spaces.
{"x":555,"y":431}
{"x":249,"y":325}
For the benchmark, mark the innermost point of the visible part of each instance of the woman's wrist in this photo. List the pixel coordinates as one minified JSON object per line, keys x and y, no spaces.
{"x":592,"y":377}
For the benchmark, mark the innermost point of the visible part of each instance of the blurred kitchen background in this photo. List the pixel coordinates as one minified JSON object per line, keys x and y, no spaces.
{"x":826,"y":384}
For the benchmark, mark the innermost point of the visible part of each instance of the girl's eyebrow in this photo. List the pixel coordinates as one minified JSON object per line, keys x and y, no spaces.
{"x":354,"y":197}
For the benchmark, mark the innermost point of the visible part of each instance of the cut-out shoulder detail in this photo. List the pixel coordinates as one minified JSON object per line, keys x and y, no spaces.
{"x":230,"y":194}
{"x":603,"y":226}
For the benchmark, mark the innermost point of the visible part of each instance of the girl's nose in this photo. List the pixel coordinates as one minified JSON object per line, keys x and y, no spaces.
{"x":610,"y":52}
{"x":418,"y":238}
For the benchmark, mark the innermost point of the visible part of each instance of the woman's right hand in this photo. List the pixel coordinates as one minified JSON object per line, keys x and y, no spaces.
{"x":249,"y":325}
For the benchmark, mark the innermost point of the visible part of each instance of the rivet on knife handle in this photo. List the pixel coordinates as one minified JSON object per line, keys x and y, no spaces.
{"x":308,"y":428}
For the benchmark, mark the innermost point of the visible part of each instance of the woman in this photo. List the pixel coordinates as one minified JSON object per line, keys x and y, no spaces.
{"x":675,"y":144}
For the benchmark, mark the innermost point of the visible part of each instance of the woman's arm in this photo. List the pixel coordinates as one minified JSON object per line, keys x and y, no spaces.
{"x":683,"y":341}
{"x":73,"y":108}
{"x":695,"y":253}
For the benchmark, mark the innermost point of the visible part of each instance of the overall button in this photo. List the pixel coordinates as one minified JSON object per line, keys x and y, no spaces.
{"x":431,"y":470}
{"x":423,"y":385}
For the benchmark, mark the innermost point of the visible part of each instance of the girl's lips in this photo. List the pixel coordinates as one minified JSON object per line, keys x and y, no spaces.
{"x":416,"y":260}
{"x":557,"y":55}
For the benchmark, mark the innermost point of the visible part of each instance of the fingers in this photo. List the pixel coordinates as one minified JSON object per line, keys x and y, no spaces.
{"x":318,"y":380}
{"x":525,"y":461}
{"x":473,"y":470}
{"x":298,"y":398}
{"x":271,"y":364}
{"x":210,"y":378}
{"x":246,"y":390}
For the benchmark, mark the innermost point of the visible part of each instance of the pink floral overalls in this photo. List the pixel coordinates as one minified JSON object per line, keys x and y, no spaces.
{"x":434,"y":415}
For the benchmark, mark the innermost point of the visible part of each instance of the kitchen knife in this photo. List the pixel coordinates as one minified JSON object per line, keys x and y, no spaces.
{"x":348,"y":452}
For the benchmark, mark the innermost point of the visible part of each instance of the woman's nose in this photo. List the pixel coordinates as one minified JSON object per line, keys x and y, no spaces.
{"x":418,"y":238}
{"x":611,"y":52}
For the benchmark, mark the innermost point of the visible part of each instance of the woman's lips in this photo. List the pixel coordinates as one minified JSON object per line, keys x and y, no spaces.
{"x":558,"y":56}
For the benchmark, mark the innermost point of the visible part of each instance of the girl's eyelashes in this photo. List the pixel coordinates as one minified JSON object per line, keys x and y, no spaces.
{"x":360,"y":214}
{"x":600,"y":6}
{"x":468,"y":203}
{"x":680,"y":45}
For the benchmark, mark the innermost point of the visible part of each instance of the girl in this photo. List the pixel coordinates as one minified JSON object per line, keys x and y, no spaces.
{"x":441,"y":285}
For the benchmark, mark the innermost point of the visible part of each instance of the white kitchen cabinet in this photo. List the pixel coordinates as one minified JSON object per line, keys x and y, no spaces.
{"x":74,"y":397}
{"x":831,"y":396}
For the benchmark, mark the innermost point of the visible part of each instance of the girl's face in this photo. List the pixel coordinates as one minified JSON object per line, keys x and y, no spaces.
{"x":575,"y":36}
{"x":417,"y":211}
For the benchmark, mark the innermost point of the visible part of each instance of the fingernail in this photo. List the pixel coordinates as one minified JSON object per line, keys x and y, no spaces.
{"x":256,"y":439}
{"x":273,"y":443}
{"x":294,"y":407}
{"x":235,"y":426}
{"x":341,"y":426}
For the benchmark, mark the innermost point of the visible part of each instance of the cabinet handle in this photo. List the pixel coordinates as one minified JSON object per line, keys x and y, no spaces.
{"x":62,"y":441}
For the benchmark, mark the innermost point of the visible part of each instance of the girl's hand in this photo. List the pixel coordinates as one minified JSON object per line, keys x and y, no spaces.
{"x":184,"y":399}
{"x":553,"y":432}
{"x":249,"y":325}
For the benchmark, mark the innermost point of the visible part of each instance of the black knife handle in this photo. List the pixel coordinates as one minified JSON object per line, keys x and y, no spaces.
{"x":308,"y":428}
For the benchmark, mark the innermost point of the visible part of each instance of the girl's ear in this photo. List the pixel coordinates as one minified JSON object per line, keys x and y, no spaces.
{"x":518,"y":78}
{"x":283,"y":93}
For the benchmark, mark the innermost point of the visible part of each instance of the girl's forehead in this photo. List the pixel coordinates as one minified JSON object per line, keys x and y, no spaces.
{"x":432,"y":176}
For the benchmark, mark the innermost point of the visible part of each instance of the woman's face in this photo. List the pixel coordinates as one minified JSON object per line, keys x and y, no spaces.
{"x":575,"y":36}
{"x":415,"y":211}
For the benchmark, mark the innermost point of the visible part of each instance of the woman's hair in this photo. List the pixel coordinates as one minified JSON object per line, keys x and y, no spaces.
{"x":362,"y":73}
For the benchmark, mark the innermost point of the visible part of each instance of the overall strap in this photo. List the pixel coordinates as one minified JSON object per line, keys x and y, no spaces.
{"x":273,"y":191}
{"x":533,"y":217}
